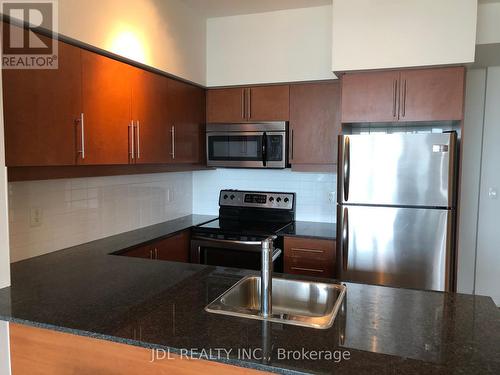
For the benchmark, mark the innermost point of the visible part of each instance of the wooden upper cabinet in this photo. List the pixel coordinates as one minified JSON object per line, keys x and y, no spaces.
{"x":370,"y":97}
{"x":40,"y":110}
{"x":150,"y":108}
{"x":314,"y":123}
{"x":186,"y":122}
{"x":432,"y":94}
{"x":268,"y":103}
{"x":106,"y":93}
{"x":244,"y":104}
{"x":226,"y":105}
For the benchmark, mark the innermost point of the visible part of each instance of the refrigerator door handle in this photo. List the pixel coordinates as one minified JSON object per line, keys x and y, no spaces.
{"x":345,"y":239}
{"x":347,"y":167}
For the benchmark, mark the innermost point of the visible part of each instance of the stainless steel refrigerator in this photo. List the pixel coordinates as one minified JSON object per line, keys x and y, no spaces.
{"x":396,"y":209}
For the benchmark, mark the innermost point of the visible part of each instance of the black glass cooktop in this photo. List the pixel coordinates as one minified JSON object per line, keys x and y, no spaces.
{"x":241,"y":228}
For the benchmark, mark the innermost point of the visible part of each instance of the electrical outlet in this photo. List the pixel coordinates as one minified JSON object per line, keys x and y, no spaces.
{"x":35,"y":217}
{"x":331,"y":197}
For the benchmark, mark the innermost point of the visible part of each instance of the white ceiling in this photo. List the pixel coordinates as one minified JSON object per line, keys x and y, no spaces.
{"x":223,"y":8}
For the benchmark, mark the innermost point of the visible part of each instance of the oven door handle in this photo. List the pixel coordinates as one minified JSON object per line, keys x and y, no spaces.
{"x":264,"y":149}
{"x":235,"y":242}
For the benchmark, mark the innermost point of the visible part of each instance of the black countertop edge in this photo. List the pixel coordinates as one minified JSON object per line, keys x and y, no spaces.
{"x":310,"y":229}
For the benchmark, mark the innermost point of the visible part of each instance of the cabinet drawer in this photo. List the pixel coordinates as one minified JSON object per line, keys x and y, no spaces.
{"x":310,"y":267}
{"x":307,"y":256}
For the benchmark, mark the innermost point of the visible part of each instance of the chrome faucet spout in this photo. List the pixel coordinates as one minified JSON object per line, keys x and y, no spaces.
{"x":266,"y":278}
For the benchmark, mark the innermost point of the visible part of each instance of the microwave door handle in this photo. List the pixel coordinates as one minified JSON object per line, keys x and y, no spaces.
{"x":264,"y":149}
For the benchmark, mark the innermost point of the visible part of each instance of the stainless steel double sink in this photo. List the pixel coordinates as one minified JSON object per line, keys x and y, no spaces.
{"x":297,"y":302}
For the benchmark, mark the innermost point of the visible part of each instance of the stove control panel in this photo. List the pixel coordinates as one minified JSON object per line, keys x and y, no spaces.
{"x":257,"y":199}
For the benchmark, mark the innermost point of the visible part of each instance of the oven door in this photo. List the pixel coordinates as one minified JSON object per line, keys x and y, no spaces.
{"x":231,"y":253}
{"x":246,"y":149}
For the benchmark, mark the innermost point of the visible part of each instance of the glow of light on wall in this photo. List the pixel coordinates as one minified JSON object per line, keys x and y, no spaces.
{"x":128,"y":44}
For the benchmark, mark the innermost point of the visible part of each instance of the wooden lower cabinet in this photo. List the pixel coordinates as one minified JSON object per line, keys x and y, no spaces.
{"x":45,"y":352}
{"x":310,"y":257}
{"x":174,"y":248}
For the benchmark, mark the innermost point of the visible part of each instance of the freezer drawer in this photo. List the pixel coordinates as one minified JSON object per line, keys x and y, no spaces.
{"x":397,"y":169}
{"x":400,"y":247}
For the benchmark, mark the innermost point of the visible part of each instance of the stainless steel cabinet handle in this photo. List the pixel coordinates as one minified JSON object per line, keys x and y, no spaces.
{"x":156,"y":253}
{"x":138,"y":139}
{"x":345,"y":239}
{"x":394,"y":97}
{"x":291,"y":145}
{"x":404,"y":99}
{"x":132,"y":149}
{"x":243,"y":99}
{"x":347,"y":167}
{"x":307,"y":269}
{"x":82,"y":127}
{"x":307,"y":250}
{"x":249,"y":103}
{"x":172,"y":132}
{"x":151,"y":254}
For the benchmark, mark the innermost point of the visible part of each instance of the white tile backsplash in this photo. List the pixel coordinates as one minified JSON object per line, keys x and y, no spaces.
{"x":79,"y":210}
{"x":312,"y":189}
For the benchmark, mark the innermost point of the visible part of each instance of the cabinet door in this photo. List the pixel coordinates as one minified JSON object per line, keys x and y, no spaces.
{"x":175,"y":248}
{"x":268,"y":103}
{"x":307,"y":256}
{"x":40,"y":110}
{"x":432,"y":94}
{"x":144,"y":251}
{"x":150,"y":108}
{"x":106,"y":98}
{"x":314,"y":123}
{"x":226,"y":105}
{"x":186,"y":122}
{"x":370,"y":97}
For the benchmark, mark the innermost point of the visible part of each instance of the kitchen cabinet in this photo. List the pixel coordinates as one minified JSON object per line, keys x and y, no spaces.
{"x":243,"y":104}
{"x":434,"y":94}
{"x":186,"y":122}
{"x":314,"y":124}
{"x":107,"y":119}
{"x":41,"y":108}
{"x":149,"y":130}
{"x":309,"y":256}
{"x":226,"y":105}
{"x":174,"y":248}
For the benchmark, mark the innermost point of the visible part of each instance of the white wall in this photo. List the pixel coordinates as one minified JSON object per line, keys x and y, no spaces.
{"x":488,"y":24}
{"x":488,"y":254}
{"x":312,"y":189}
{"x":80,"y":210}
{"x":371,"y":34}
{"x":280,"y":46}
{"x":471,"y":170}
{"x":166,"y":34}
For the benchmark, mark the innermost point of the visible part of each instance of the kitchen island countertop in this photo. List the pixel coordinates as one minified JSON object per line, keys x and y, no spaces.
{"x":85,"y":291}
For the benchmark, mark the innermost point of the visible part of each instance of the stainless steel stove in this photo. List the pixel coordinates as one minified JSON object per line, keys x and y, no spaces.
{"x":245,"y":219}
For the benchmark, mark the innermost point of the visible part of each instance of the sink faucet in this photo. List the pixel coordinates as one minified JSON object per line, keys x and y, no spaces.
{"x":269,"y":254}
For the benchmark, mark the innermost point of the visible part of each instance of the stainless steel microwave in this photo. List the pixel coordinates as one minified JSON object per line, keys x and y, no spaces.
{"x":248,"y":145}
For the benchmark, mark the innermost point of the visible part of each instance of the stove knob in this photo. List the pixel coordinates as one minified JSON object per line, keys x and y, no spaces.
{"x":286,"y":200}
{"x":232,"y":196}
{"x":271,"y":199}
{"x":278,"y":199}
{"x":225,"y":196}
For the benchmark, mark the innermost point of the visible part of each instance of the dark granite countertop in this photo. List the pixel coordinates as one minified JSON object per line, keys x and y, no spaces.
{"x":310,"y":229}
{"x":158,"y":304}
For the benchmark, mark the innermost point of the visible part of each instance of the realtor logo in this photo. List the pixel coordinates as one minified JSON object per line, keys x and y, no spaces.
{"x":25,"y":44}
